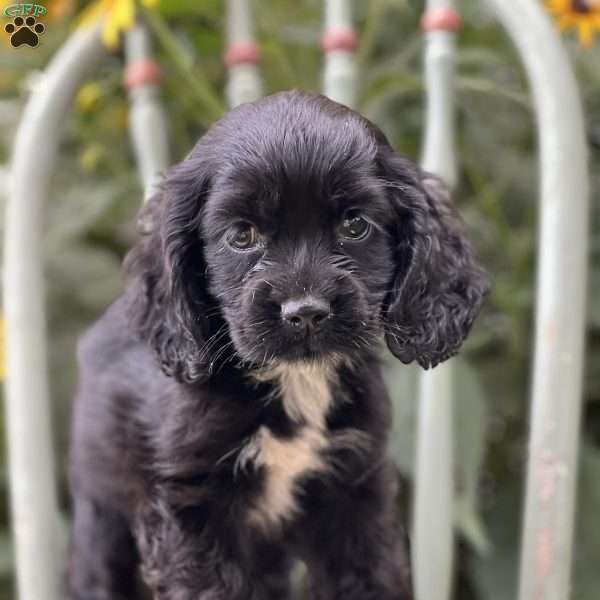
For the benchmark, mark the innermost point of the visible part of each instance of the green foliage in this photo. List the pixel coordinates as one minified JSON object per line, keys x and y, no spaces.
{"x":95,"y":195}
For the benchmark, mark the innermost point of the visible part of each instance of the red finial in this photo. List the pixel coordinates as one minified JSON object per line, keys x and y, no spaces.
{"x":141,"y":72}
{"x":339,"y":39}
{"x":442,"y":19}
{"x":242,"y":54}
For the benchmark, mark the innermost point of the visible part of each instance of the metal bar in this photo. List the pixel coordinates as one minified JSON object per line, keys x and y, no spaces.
{"x":440,"y":23}
{"x":242,"y":56}
{"x":35,"y":514}
{"x":433,"y":539}
{"x":433,"y":529}
{"x":147,"y":120}
{"x":546,"y":554}
{"x":339,"y":44}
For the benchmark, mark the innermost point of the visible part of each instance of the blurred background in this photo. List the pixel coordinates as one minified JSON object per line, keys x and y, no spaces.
{"x":96,"y":194}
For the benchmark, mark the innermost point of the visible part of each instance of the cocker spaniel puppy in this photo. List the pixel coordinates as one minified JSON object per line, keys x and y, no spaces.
{"x":231,"y":415}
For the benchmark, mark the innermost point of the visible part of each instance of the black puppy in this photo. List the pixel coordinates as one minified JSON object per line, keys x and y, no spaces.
{"x":231,"y":415}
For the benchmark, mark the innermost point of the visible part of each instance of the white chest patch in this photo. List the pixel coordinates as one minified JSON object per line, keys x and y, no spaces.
{"x":306,"y":395}
{"x":305,"y":390}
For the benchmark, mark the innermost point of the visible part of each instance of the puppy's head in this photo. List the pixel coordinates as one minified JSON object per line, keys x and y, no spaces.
{"x":294,"y":232}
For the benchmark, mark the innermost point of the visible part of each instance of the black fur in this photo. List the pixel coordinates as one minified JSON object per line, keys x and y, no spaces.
{"x":155,"y":455}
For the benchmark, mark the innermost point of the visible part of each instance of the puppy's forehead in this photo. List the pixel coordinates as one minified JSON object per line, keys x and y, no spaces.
{"x":295,"y":170}
{"x":291,"y":157}
{"x":272,"y":192}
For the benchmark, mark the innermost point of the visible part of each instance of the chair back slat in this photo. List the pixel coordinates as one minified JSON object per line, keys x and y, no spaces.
{"x":563,"y":239}
{"x":433,"y":515}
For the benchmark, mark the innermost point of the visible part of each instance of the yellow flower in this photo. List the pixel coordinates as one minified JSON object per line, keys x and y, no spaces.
{"x":117,"y":16}
{"x":583,"y":15}
{"x":87,"y":97}
{"x":91,"y":157}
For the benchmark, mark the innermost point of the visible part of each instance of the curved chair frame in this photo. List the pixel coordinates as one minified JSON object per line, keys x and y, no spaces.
{"x":546,"y":554}
{"x":38,"y":541}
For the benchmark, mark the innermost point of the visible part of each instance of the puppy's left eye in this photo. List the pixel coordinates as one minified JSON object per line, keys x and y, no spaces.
{"x":354,"y":226}
{"x":245,"y":237}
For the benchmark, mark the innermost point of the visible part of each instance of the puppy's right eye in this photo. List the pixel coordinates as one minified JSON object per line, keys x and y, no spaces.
{"x":244,"y":237}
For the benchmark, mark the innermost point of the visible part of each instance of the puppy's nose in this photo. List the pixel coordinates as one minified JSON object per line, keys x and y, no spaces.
{"x":305,"y":313}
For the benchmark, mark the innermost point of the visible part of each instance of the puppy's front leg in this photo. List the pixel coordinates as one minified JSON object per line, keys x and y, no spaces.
{"x":357,"y":548}
{"x":182,"y":561}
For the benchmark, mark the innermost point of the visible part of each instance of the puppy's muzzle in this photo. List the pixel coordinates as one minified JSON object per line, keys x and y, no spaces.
{"x":305,"y":315}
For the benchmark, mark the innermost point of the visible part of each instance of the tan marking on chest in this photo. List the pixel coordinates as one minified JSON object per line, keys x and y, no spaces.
{"x":306,"y":397}
{"x":284,"y":462}
{"x":305,"y":390}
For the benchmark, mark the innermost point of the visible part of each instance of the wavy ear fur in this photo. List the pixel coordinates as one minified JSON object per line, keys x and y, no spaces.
{"x":439,"y":285}
{"x":169,"y":281}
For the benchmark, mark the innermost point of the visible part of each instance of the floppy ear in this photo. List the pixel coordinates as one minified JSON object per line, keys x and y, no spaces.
{"x":438,"y":286}
{"x":169,"y":298}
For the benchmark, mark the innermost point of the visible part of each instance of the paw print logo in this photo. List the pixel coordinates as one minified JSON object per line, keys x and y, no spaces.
{"x":24,"y":31}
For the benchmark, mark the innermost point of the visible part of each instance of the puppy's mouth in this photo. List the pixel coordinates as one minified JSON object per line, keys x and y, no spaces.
{"x":281,"y":342}
{"x":305,"y":345}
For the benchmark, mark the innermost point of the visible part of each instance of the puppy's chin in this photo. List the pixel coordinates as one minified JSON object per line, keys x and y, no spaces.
{"x":306,"y":349}
{"x":275,"y":347}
